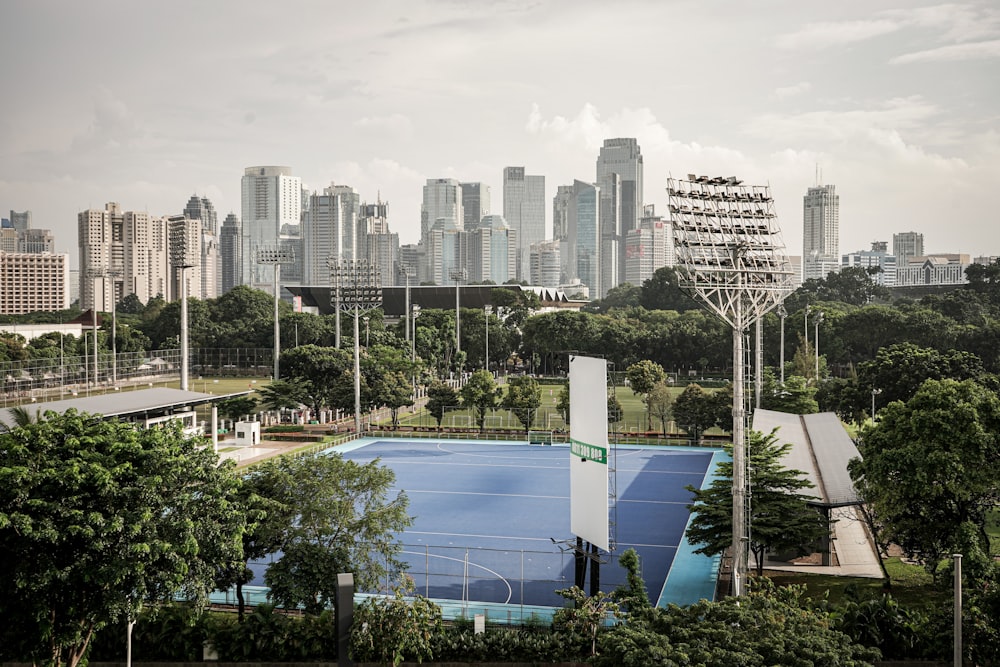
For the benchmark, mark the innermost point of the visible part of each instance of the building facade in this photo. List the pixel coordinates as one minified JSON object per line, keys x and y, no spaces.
{"x":820,"y":231}
{"x":475,"y":204}
{"x":906,"y":245}
{"x":33,"y":282}
{"x":230,"y":253}
{"x":882,"y":264}
{"x":620,"y":177}
{"x":524,"y":211}
{"x":441,"y":207}
{"x":934,"y":269}
{"x":271,"y":208}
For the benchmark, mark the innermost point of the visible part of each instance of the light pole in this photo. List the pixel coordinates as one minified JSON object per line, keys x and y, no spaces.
{"x":741,"y":276}
{"x":182,"y":257}
{"x":406,"y":308}
{"x":875,"y":392}
{"x":488,"y":310}
{"x":458,"y":275}
{"x":414,"y":312}
{"x":114,"y":273}
{"x":817,"y":320}
{"x":805,"y":325}
{"x":357,"y":284}
{"x":367,"y":332}
{"x":276,"y":255}
{"x":782,"y":313}
{"x":94,"y":274}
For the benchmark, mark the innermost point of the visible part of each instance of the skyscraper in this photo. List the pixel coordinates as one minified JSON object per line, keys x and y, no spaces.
{"x":820,"y":231}
{"x":524,"y":211}
{"x":585,"y":235}
{"x":272,"y":199}
{"x":230,"y":249}
{"x":201,"y":208}
{"x":475,"y":204}
{"x":904,"y":246}
{"x":560,"y":229}
{"x":619,"y":176}
{"x":442,"y":206}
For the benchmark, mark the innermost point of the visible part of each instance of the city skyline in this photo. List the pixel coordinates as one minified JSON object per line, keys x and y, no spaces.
{"x":895,"y":103}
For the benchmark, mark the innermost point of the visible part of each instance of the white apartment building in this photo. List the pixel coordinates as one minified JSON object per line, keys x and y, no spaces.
{"x":272,"y":200}
{"x":524,"y":211}
{"x":820,"y":231}
{"x":32,"y":282}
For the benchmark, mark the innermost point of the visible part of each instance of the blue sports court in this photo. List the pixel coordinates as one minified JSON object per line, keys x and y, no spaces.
{"x":491,"y":519}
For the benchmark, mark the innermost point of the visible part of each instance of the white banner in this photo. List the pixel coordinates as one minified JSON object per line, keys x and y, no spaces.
{"x":588,"y":468}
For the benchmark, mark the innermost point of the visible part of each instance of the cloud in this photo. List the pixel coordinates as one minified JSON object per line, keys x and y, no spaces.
{"x":951,"y":53}
{"x":824,"y":35}
{"x":792,"y":91}
{"x":830,"y":126}
{"x":397,"y":124}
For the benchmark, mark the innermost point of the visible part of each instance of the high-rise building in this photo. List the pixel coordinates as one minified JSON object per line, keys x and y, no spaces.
{"x":373,"y":220}
{"x":560,"y":228}
{"x":545,"y":264}
{"x":475,"y":204}
{"x":524,"y":211}
{"x":201,"y":208}
{"x":442,"y":206}
{"x":329,"y":231}
{"x":272,"y":206}
{"x":620,"y":178}
{"x":820,"y":231}
{"x":8,"y":236}
{"x":230,"y":249}
{"x":33,"y":282}
{"x":877,"y":258}
{"x":585,"y":236}
{"x":647,"y":248}
{"x":21,"y":220}
{"x":904,"y":246}
{"x":35,"y":241}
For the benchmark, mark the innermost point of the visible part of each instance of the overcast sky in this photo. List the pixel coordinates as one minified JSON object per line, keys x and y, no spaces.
{"x":147,"y":103}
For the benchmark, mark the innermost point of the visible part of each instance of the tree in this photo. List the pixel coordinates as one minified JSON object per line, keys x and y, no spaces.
{"x":779,"y":516}
{"x":324,"y":372}
{"x":693,"y":411}
{"x":343,"y":520}
{"x":615,"y":411}
{"x":663,"y":292}
{"x":440,"y":397}
{"x":562,"y":403}
{"x":660,"y":404}
{"x":795,"y":396}
{"x":480,"y":395}
{"x":931,"y":470}
{"x":523,"y":397}
{"x":897,"y":371}
{"x":237,"y":407}
{"x":389,"y":629}
{"x":283,"y":394}
{"x":771,"y":626}
{"x":97,"y":517}
{"x":642,"y":377}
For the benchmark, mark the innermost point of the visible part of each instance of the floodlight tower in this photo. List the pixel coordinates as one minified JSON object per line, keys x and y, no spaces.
{"x":730,"y":254}
{"x":276,"y":255}
{"x":458,"y":275}
{"x":183,"y":255}
{"x":357,"y":283}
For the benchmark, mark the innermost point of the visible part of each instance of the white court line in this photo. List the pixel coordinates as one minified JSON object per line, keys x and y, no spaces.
{"x":510,"y":591}
{"x":489,"y":456}
{"x":483,"y":493}
{"x":652,"y":502}
{"x":484,"y":465}
{"x":490,"y":537}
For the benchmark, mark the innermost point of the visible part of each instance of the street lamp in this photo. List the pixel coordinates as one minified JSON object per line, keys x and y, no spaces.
{"x":805,"y":325}
{"x":782,"y":313}
{"x":183,"y":253}
{"x":488,"y":310}
{"x":875,"y":392}
{"x":406,"y":307}
{"x":356,"y":281}
{"x":414,"y":312}
{"x":367,"y":332}
{"x":458,"y":275}
{"x":276,"y":255}
{"x":817,"y":320}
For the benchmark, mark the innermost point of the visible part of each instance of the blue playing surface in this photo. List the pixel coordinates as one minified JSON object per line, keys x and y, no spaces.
{"x":486,"y":514}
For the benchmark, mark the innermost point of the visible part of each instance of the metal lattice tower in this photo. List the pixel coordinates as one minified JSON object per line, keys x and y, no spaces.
{"x":356,"y":287}
{"x":276,"y":255}
{"x":184,"y":253}
{"x":731,"y":256}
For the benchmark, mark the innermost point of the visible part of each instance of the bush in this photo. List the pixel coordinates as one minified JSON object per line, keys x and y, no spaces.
{"x":285,"y":428}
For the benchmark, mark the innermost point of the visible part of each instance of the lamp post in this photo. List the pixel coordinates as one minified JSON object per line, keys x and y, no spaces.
{"x":182,"y":257}
{"x":357,"y":284}
{"x":875,"y":392}
{"x":367,"y":332}
{"x":817,"y":320}
{"x":405,"y":270}
{"x":458,"y":275}
{"x":95,"y":273}
{"x":414,"y":312}
{"x":276,"y":255}
{"x":114,"y":273}
{"x":805,"y":325}
{"x":782,"y":313}
{"x":488,"y":310}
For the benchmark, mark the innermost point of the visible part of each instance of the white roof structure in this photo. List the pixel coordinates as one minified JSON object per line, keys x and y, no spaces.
{"x":821,"y":448}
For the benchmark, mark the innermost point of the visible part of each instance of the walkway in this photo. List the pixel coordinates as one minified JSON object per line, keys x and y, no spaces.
{"x":855,"y":554}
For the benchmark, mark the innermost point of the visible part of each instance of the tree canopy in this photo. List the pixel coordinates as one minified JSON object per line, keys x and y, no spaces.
{"x":98,"y":517}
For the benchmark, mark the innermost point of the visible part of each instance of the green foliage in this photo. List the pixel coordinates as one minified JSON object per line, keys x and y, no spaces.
{"x":795,"y":396}
{"x":694,"y":411}
{"x":97,"y":517}
{"x":897,"y":371}
{"x":237,"y":407}
{"x":323,"y":376}
{"x":780,"y":518}
{"x":285,"y":428}
{"x":585,"y":615}
{"x":663,"y":292}
{"x":523,"y":398}
{"x":930,"y":471}
{"x":340,"y":519}
{"x":615,"y":411}
{"x":390,"y":629}
{"x":440,"y":397}
{"x":284,"y":394}
{"x":763,"y":628}
{"x":632,"y":595}
{"x":481,"y":394}
{"x":660,"y":404}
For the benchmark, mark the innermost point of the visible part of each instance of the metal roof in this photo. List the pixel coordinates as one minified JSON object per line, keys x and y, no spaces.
{"x":821,"y":448}
{"x":158,"y":400}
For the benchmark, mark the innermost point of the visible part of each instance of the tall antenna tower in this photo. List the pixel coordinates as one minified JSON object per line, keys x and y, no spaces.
{"x":731,"y":256}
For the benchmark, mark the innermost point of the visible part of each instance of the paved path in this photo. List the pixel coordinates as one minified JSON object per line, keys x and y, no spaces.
{"x":856,"y":556}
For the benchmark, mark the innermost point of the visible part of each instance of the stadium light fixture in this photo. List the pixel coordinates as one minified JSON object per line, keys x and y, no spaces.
{"x":731,"y":256}
{"x":276,"y":255}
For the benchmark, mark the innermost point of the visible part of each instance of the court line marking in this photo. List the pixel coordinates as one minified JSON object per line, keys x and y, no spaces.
{"x":487,"y":465}
{"x":510,"y":591}
{"x":484,"y":493}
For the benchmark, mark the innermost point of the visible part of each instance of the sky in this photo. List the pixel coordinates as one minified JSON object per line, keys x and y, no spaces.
{"x":896,"y":103}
